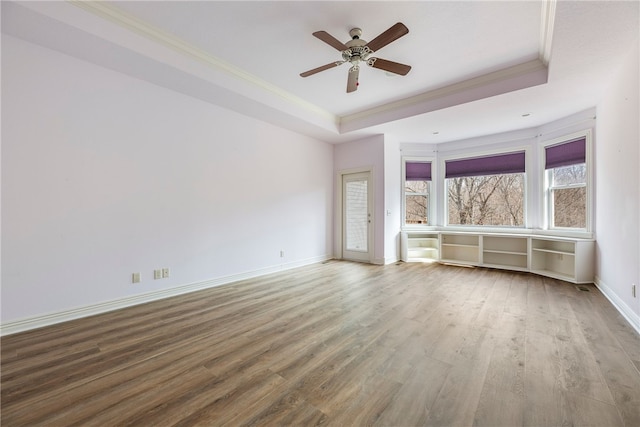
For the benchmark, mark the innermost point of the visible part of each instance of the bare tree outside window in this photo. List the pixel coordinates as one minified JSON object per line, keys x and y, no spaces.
{"x":568,"y":196}
{"x":416,"y":202}
{"x":495,"y":200}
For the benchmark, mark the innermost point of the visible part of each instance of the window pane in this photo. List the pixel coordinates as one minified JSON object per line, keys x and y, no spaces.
{"x":570,"y":207}
{"x":496,"y":200}
{"x":417,"y":210}
{"x":567,"y":175}
{"x":416,"y":186}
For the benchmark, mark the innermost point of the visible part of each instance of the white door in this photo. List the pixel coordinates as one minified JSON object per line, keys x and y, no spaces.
{"x":356,"y":217}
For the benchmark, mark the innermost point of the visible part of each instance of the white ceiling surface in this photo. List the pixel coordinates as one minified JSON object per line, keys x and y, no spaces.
{"x":248,"y":56}
{"x":273,"y":40}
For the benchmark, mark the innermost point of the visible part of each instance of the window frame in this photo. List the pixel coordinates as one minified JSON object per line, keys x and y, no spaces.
{"x":547,"y":212}
{"x":504,"y":150}
{"x":431,"y":209}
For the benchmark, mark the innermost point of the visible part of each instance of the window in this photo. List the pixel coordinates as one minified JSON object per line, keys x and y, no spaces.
{"x":487,"y":190}
{"x":416,"y":192}
{"x":566,"y":184}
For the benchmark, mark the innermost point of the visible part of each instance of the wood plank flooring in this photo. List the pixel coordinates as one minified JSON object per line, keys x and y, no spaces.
{"x":339,"y":344}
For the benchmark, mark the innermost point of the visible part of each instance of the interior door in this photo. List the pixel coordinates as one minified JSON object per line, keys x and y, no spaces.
{"x":356,"y":217}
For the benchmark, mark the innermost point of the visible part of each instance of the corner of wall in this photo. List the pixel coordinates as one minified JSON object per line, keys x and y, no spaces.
{"x":626,"y":311}
{"x":617,"y":179}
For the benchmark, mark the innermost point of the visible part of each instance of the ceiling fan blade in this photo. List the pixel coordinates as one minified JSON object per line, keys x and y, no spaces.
{"x":352,"y":81}
{"x":395,"y":32}
{"x":330,"y":40}
{"x":322,"y":68}
{"x":390,"y":66}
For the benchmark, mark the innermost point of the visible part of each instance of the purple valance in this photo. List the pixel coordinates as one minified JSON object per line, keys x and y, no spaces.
{"x":418,"y":171}
{"x":566,"y":154}
{"x":489,"y":165}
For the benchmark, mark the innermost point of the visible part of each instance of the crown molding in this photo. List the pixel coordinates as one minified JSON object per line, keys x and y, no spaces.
{"x":532,"y":73}
{"x":130,"y":22}
{"x":547,"y":22}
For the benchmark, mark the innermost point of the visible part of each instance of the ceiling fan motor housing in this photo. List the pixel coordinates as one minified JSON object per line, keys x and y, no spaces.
{"x":358,"y":49}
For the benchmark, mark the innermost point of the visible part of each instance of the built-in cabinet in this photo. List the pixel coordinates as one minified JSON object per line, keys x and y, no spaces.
{"x":460,"y":248}
{"x":506,"y":252}
{"x":569,"y":259}
{"x":421,"y":246}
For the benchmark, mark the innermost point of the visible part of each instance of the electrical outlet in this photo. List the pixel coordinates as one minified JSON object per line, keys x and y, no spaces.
{"x":165,"y":272}
{"x":135,"y":278}
{"x":157,"y":274}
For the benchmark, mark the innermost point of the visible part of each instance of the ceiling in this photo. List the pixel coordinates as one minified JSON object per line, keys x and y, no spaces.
{"x":478,"y":68}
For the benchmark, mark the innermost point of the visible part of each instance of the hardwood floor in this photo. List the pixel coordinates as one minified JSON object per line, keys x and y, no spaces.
{"x":337,"y":344}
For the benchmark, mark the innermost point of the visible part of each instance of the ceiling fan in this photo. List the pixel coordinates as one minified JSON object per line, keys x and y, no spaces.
{"x":356,"y":50}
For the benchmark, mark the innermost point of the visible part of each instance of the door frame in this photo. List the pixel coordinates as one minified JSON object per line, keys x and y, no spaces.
{"x":339,"y":214}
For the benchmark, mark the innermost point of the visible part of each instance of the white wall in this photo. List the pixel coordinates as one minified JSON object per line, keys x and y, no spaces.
{"x":617,"y":156}
{"x":381,"y":155}
{"x":366,"y":153}
{"x":392,"y":198}
{"x":104,"y":175}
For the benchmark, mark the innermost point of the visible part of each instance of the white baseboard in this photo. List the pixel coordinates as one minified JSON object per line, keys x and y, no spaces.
{"x":621,"y":306}
{"x":29,"y":323}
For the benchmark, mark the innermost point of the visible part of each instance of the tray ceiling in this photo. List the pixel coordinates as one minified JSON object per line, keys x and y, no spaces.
{"x":477,"y":66}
